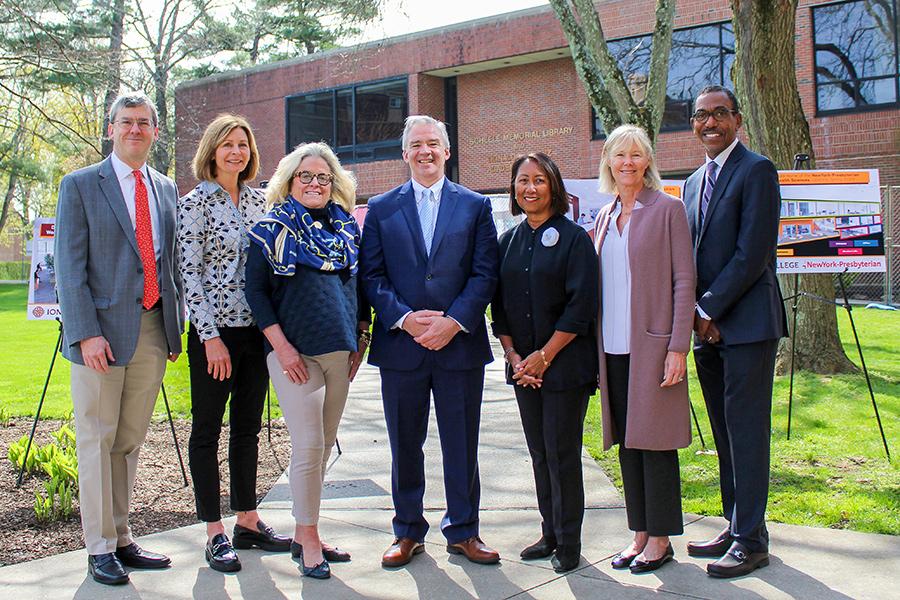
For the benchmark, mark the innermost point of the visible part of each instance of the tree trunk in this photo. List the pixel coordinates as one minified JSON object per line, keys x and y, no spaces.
{"x":8,"y":198}
{"x":161,"y":148}
{"x":766,"y":85}
{"x":114,"y":69}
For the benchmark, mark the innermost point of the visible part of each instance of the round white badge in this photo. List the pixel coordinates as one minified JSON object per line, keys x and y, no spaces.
{"x":550,"y":237}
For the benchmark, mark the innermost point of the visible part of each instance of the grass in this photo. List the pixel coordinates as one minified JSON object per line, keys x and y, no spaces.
{"x":833,"y":471}
{"x":27,"y":348}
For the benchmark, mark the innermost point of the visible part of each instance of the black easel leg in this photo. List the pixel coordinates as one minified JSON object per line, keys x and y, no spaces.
{"x":794,"y":308}
{"x":697,"y":423}
{"x":269,"y":413}
{"x":162,"y":388}
{"x":862,"y":361}
{"x":37,"y":415}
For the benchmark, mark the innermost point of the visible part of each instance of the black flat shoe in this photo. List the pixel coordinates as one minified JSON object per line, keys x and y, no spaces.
{"x":264,"y":539}
{"x":542,"y":548}
{"x":623,"y":561}
{"x":645,"y":566}
{"x":319,"y":571}
{"x":106,"y":569}
{"x":136,"y":557}
{"x":221,"y":555}
{"x":333,"y":554}
{"x":737,"y":561}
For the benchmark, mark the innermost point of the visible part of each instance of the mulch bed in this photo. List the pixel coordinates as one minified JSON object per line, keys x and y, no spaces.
{"x":160,"y":500}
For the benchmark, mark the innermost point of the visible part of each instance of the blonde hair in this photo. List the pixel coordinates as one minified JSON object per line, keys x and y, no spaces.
{"x":343,"y":188}
{"x":624,"y":136}
{"x":204,"y":163}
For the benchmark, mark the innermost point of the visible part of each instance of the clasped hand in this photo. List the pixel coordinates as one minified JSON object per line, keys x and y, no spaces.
{"x":528,"y":372}
{"x":430,"y":328}
{"x":707,"y":330}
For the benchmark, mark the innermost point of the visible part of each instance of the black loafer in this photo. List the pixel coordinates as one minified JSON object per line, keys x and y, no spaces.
{"x":332,"y":554}
{"x":566,"y":558}
{"x":542,"y":548}
{"x":622,"y":561}
{"x":739,"y":560}
{"x":221,"y":555}
{"x":645,"y":566}
{"x":265,"y":539}
{"x":319,"y":571}
{"x":717,"y":546}
{"x":136,"y":557}
{"x":106,"y":569}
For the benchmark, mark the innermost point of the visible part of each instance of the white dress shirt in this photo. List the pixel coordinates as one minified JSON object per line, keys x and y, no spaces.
{"x":615,"y":280}
{"x":126,"y":180}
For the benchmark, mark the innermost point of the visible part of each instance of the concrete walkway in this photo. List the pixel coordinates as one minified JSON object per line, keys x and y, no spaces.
{"x":807,"y":562}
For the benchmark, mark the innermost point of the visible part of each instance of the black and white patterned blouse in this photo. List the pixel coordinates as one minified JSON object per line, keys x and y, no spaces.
{"x":212,"y":249}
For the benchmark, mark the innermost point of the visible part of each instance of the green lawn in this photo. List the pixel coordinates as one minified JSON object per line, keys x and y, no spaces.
{"x":27,"y":348}
{"x":833,"y":471}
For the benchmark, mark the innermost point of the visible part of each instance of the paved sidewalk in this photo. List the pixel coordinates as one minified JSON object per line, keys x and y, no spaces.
{"x":813,"y":563}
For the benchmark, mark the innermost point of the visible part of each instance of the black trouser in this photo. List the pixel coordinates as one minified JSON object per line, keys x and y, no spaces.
{"x":650,"y":477}
{"x":247,"y":388}
{"x":737,"y":386}
{"x":554,"y":424}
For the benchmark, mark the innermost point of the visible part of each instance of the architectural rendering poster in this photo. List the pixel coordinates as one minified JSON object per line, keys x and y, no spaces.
{"x":587,"y":200}
{"x":830,"y":222}
{"x":42,"y":302}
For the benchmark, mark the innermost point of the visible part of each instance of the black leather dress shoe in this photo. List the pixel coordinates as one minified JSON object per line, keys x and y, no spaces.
{"x":106,"y":569}
{"x":645,"y":566}
{"x":542,"y":548}
{"x":136,"y":557}
{"x":221,"y":555}
{"x":265,"y":539}
{"x":319,"y":571}
{"x":737,"y":561}
{"x":566,"y":558}
{"x":715,"y":547}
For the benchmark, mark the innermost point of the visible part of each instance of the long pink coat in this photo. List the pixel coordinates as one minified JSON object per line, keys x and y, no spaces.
{"x":661,"y":258}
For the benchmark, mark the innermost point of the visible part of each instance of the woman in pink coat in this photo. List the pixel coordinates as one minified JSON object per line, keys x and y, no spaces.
{"x":646,"y":312}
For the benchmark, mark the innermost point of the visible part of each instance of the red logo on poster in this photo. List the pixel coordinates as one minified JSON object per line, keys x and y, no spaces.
{"x":47,"y":230}
{"x":38,"y":311}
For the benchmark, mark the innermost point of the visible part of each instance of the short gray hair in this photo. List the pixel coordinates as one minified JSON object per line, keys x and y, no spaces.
{"x":129,"y":100}
{"x":621,"y":137}
{"x":413,"y":120}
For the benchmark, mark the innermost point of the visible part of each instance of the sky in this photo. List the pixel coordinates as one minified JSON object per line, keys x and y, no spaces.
{"x":408,"y":16}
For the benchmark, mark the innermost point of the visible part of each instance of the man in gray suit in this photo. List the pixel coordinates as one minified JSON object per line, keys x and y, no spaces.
{"x":122,"y":317}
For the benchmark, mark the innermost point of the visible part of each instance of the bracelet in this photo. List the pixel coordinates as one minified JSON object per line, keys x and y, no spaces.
{"x":544,"y":358}
{"x":365,"y":336}
{"x":507,"y":352}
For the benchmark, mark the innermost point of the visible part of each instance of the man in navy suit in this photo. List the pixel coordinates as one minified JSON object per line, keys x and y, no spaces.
{"x":428,"y":264}
{"x":733,"y":205}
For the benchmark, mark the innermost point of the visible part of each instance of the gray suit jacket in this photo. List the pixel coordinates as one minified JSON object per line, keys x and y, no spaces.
{"x":98,"y":265}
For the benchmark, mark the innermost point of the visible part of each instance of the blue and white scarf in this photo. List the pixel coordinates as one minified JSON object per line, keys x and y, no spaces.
{"x":289,"y":236}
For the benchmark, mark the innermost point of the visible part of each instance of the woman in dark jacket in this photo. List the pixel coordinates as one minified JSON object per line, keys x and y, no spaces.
{"x":544,"y":314}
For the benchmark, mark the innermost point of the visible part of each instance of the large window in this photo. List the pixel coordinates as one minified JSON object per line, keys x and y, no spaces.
{"x":856,"y":55}
{"x":700,"y":56}
{"x":362,"y":123}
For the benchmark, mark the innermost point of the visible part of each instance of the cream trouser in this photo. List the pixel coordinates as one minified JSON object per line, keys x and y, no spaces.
{"x":112,"y":413}
{"x":312,"y":412}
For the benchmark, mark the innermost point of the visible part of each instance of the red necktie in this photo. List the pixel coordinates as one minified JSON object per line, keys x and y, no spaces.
{"x":143,"y":230}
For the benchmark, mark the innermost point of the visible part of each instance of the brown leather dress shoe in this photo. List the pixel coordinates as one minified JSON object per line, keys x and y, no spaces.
{"x":475,"y":550}
{"x":401,"y":552}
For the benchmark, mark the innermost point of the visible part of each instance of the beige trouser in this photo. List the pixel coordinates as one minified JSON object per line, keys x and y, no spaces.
{"x":312,"y":412}
{"x":112,"y":413}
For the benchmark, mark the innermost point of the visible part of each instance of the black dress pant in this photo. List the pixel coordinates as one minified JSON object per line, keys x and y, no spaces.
{"x":650,"y":478}
{"x":247,"y":387}
{"x":554,"y":425}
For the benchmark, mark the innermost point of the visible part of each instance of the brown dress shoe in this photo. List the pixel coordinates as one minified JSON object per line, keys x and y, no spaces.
{"x":475,"y":550}
{"x":401,"y":552}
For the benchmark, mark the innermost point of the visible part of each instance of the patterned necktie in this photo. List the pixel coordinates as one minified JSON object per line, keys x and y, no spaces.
{"x":143,"y":231}
{"x":708,"y":185}
{"x":426,"y":218}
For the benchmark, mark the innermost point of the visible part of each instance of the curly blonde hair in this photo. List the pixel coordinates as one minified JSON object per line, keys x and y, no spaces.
{"x":343,"y":188}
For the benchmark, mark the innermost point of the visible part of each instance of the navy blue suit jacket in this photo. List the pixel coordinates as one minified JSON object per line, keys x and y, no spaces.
{"x":458,"y":278}
{"x":734,"y":251}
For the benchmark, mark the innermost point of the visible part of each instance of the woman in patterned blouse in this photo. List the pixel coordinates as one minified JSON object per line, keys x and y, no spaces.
{"x":301,"y":285}
{"x":225,"y":348}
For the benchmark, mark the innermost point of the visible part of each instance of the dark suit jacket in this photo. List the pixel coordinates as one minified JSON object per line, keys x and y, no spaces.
{"x":735,"y":250}
{"x":458,"y":278}
{"x":98,"y":265}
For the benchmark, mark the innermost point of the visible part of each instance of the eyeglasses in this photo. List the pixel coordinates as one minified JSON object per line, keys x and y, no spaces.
{"x":719,"y":114}
{"x":127,"y":124}
{"x":307,"y":177}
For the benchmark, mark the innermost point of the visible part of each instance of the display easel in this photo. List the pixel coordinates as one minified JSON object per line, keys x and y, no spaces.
{"x":37,"y":414}
{"x":799,"y":160}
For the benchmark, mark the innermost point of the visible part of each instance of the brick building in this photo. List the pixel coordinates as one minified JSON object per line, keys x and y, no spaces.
{"x":506,"y":85}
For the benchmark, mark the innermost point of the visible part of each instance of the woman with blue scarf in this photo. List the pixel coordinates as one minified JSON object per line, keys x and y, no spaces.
{"x":302,"y":290}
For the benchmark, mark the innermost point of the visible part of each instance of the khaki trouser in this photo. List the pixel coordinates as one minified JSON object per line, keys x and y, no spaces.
{"x":112,"y":413}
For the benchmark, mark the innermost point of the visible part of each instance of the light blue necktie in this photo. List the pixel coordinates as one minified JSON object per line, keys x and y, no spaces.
{"x":708,"y":187}
{"x":426,"y":217}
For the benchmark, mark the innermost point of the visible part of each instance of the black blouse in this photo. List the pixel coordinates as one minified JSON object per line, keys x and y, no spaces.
{"x":545,"y":286}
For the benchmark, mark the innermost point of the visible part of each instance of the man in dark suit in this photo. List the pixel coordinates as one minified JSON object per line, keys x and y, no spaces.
{"x":122,"y":317}
{"x":428,"y":264}
{"x":733,"y":205}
